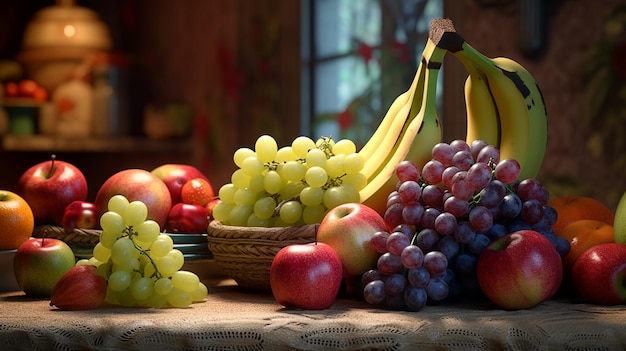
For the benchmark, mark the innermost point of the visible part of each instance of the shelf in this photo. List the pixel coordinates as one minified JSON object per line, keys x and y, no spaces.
{"x":37,"y":143}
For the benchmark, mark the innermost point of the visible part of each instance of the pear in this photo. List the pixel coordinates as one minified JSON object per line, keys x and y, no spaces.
{"x":619,"y":224}
{"x":80,"y":288}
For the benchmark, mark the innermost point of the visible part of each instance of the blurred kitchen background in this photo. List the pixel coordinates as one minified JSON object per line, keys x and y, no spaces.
{"x":116,"y":84}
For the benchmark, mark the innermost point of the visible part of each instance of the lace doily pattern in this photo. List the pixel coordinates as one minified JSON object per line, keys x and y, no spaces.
{"x":236,"y":319}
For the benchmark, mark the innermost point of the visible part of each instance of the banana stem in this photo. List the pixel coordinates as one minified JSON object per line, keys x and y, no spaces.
{"x":445,"y":36}
{"x":472,"y":57}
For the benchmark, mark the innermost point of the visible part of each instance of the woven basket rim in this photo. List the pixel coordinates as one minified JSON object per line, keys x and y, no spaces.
{"x":217,"y":230}
{"x":75,"y":236}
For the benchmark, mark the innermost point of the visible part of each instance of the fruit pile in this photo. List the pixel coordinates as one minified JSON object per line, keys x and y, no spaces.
{"x":445,"y":206}
{"x":141,"y":265}
{"x":294,"y":185}
{"x":444,"y":216}
{"x":25,"y":88}
{"x":137,"y":264}
{"x":505,"y":108}
{"x":415,"y":219}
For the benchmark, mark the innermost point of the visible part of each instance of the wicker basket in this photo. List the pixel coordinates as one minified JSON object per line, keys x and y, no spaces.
{"x":245,"y":254}
{"x":81,"y":237}
{"x":82,"y":241}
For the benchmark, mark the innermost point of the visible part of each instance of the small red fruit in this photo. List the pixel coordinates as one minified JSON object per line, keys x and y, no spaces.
{"x":187,"y":218}
{"x":80,"y":214}
{"x":197,"y":191}
{"x":80,"y":288}
{"x":27,"y":88}
{"x":12,"y":89}
{"x":40,"y":94}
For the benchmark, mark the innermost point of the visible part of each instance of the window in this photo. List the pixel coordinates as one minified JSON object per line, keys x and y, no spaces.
{"x":358,"y":56}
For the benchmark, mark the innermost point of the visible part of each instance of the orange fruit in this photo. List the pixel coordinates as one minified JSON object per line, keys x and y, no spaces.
{"x":197,"y":191}
{"x":16,"y":220}
{"x":574,"y":208}
{"x":582,"y":235}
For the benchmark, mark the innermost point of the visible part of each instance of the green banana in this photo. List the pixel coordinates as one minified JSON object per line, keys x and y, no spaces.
{"x":417,"y":138}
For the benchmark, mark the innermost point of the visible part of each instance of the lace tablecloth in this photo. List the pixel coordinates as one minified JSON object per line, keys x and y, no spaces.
{"x":235,"y":319}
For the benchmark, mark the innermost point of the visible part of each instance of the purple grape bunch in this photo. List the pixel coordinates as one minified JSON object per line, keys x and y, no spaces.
{"x":405,"y":277}
{"x":444,"y":216}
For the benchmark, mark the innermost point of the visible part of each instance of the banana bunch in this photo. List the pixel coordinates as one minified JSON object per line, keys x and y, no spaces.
{"x":504,"y":104}
{"x":408,"y":131}
{"x":504,"y":108}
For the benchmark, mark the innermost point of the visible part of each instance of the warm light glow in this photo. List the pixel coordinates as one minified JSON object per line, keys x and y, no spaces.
{"x":69,"y":30}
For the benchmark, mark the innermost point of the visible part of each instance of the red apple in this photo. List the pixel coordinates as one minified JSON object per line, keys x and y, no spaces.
{"x":80,"y":214}
{"x":137,"y":184}
{"x":80,"y":288}
{"x":348,"y":229}
{"x":39,"y":263}
{"x":519,"y":270}
{"x":599,"y":274}
{"x":306,"y":276}
{"x":49,"y":187}
{"x":187,"y":218}
{"x":175,"y":176}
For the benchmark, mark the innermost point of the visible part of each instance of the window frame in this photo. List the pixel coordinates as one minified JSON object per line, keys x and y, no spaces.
{"x":452,"y":111}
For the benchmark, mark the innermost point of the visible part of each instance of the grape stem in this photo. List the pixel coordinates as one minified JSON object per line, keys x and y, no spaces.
{"x":280,"y":204}
{"x":326,"y":146}
{"x":131,"y":234}
{"x":337,"y":181}
{"x":272,"y":166}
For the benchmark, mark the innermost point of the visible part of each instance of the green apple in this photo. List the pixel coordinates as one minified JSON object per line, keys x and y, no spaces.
{"x":619,"y":225}
{"x":348,"y":229}
{"x":39,"y":263}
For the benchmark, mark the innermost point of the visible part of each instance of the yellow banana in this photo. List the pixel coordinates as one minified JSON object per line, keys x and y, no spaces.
{"x":537,"y":114}
{"x":375,"y":147}
{"x":403,"y":119}
{"x":514,"y":120}
{"x":376,"y":150}
{"x":483,"y":122}
{"x":417,"y":139}
{"x":520,"y":105}
{"x":512,"y":111}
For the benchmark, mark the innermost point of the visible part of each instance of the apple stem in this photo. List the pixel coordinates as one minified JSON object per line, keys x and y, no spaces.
{"x":315,"y":233}
{"x":52,"y":158}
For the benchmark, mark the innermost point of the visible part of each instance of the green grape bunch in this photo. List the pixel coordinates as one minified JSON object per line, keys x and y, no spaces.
{"x":140,"y":264}
{"x":292,"y":185}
